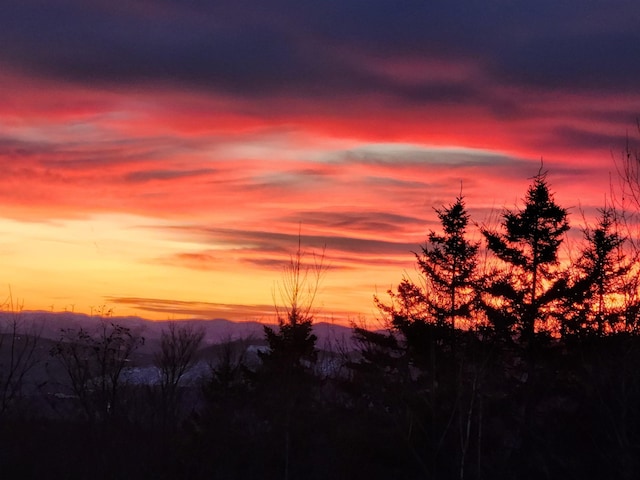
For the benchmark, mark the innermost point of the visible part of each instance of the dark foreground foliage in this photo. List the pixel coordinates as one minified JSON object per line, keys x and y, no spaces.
{"x":483,"y":412}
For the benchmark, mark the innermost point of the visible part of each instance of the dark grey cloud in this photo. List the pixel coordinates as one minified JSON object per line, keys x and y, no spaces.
{"x":589,"y":61}
{"x":209,"y":49}
{"x":151,"y":175}
{"x":256,"y":49}
{"x":59,"y":156}
{"x":283,"y":243}
{"x":281,"y":264}
{"x":588,"y":139}
{"x":355,"y":221}
{"x":19,"y":150}
{"x":396,"y":183}
{"x":194,"y":309}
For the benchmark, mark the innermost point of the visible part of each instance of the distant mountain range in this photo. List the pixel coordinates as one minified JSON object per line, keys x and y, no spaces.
{"x":49,"y":376}
{"x":48,"y":325}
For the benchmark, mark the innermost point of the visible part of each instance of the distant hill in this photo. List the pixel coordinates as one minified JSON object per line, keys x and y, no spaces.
{"x":49,"y":324}
{"x":48,"y":376}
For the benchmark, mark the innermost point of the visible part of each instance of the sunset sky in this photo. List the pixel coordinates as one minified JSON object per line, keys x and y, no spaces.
{"x":160,"y":157}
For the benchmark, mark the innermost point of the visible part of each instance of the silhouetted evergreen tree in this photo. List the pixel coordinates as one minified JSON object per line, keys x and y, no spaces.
{"x":448,"y":262}
{"x":590,"y":306}
{"x":521,"y":294}
{"x":292,"y":347}
{"x":521,"y":298}
{"x":418,"y":363}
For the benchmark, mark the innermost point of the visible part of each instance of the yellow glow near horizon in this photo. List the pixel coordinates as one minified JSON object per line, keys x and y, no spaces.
{"x":52,"y":265}
{"x":81,"y":264}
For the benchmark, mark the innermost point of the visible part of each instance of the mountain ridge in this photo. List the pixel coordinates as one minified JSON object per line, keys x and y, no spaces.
{"x":217,"y":330}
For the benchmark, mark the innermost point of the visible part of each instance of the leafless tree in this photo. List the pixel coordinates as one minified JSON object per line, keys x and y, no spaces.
{"x":94,"y":364}
{"x":628,"y":167}
{"x":179,"y":345}
{"x":298,"y":288}
{"x":292,"y":346}
{"x":18,"y":343}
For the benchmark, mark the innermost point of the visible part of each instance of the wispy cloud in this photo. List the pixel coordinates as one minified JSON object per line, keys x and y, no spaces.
{"x":230,"y":127}
{"x":196,"y":309}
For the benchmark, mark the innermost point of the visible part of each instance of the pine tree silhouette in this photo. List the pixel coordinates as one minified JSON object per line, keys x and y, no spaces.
{"x":520,"y":294}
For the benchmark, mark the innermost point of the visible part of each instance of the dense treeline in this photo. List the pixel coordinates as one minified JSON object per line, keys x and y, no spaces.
{"x":509,"y":358}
